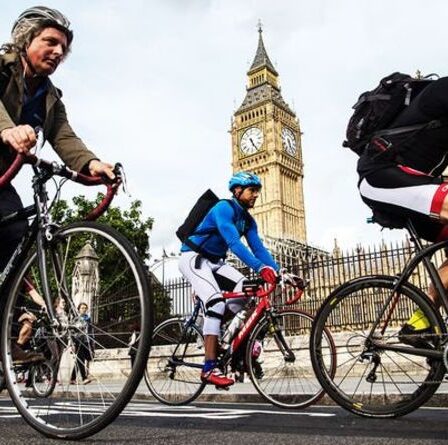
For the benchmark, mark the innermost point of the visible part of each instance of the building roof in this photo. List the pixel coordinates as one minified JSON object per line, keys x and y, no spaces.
{"x":262,"y":93}
{"x":261,"y":57}
{"x":266,"y":91}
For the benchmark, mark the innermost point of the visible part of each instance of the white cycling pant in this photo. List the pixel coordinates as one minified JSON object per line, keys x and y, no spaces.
{"x":204,"y":281}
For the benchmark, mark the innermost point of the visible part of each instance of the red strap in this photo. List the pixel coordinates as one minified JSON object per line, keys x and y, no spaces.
{"x":439,"y":197}
{"x":411,"y":171}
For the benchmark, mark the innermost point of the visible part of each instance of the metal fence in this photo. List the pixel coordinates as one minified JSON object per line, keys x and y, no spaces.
{"x":325,"y":271}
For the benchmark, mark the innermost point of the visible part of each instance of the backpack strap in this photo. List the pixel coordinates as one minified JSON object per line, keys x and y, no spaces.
{"x":198,"y":247}
{"x":436,"y":123}
{"x":247,"y":216}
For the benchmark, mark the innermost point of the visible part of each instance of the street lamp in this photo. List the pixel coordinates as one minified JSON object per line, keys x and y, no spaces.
{"x":161,"y":262}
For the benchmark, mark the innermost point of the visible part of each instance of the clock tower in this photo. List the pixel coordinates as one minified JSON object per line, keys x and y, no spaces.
{"x":266,"y":140}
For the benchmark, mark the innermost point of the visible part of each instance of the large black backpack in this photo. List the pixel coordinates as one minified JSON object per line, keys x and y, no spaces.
{"x":376,"y":110}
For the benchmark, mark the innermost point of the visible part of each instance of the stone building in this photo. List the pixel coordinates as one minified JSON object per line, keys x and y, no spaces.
{"x":266,"y":140}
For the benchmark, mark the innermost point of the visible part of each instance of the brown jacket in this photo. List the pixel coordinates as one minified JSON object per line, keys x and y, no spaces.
{"x":57,"y":130}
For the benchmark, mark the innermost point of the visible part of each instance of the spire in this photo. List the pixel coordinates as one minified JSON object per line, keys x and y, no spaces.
{"x":261,"y":59}
{"x":262,"y":82}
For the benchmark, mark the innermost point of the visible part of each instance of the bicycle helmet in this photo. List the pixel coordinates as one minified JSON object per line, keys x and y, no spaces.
{"x":38,"y":17}
{"x":244,"y":179}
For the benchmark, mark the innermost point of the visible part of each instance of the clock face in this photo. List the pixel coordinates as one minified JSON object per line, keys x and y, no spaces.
{"x":251,"y":141}
{"x":289,"y":141}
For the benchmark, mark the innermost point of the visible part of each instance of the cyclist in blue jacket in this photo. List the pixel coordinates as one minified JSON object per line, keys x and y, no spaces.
{"x":202,"y":262}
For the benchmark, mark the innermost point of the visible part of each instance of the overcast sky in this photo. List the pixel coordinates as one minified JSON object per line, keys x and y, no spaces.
{"x":154,"y":84}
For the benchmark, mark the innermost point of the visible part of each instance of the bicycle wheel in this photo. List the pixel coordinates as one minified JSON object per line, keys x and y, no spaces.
{"x":372,"y":378}
{"x":278,"y":359}
{"x":43,"y":378}
{"x":175,"y":361}
{"x":94,"y":264}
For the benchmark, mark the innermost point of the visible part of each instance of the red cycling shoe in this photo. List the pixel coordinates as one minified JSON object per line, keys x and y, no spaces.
{"x":217,"y":378}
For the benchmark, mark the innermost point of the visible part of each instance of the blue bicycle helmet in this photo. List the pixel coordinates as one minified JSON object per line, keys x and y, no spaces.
{"x":244,"y":179}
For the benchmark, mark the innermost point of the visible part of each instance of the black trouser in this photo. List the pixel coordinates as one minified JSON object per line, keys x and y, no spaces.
{"x":11,"y":234}
{"x":82,"y":357}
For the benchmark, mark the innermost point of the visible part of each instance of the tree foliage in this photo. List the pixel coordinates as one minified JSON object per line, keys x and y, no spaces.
{"x":131,"y":223}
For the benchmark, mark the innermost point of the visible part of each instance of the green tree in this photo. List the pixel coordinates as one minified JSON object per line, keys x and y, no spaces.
{"x":131,"y":223}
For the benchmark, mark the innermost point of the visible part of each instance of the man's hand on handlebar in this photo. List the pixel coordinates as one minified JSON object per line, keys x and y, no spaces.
{"x":21,"y":138}
{"x":268,"y":274}
{"x":98,"y":168}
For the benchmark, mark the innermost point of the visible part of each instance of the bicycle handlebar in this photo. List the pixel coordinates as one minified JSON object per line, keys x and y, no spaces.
{"x":253,"y":288}
{"x":65,"y":172}
{"x":296,"y":297}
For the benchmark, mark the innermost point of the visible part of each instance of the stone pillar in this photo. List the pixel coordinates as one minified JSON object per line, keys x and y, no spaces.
{"x":85,"y":279}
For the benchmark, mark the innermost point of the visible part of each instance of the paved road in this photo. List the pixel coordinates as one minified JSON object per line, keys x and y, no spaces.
{"x":215,"y":423}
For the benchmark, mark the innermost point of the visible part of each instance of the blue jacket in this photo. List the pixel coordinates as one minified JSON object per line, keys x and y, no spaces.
{"x":222,"y":229}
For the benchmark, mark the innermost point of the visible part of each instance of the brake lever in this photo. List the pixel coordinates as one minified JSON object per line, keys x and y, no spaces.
{"x":119,"y":173}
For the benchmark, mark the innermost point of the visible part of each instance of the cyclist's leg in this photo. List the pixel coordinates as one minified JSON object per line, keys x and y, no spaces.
{"x":11,"y":234}
{"x":200,"y":275}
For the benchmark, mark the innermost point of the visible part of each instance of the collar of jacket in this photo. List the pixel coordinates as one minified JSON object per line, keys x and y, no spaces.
{"x":12,"y":59}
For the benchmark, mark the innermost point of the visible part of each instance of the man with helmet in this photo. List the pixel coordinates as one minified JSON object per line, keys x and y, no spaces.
{"x":41,"y":38}
{"x":202,"y":262}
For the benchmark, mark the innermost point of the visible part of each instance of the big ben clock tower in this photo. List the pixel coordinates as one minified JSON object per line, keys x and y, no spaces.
{"x":266,"y":141}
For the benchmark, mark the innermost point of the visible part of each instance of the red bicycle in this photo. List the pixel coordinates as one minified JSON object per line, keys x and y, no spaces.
{"x":271,"y":345}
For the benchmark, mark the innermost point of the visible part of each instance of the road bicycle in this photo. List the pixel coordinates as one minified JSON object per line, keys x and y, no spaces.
{"x":84,"y":262}
{"x":382,"y":371}
{"x":272,"y":346}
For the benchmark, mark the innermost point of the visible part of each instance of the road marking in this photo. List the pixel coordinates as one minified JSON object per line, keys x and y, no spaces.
{"x":135,"y":409}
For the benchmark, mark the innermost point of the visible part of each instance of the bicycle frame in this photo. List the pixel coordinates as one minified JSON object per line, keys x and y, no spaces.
{"x":263,"y":307}
{"x":423,"y":255}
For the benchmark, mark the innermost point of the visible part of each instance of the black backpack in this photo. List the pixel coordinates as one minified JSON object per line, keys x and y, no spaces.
{"x":189,"y":227}
{"x":376,"y":110}
{"x":205,"y":202}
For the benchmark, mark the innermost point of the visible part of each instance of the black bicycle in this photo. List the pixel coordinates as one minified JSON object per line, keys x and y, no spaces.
{"x":383,"y":370}
{"x":82,"y":262}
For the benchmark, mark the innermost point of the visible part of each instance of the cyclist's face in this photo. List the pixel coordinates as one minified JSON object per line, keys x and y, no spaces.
{"x":83,"y":309}
{"x":47,"y":50}
{"x":248,"y":196}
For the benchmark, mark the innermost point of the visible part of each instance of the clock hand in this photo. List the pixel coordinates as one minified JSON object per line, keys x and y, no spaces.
{"x":252,"y":142}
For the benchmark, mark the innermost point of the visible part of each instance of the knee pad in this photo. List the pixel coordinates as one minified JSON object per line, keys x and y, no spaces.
{"x":214,"y":313}
{"x":215,"y":307}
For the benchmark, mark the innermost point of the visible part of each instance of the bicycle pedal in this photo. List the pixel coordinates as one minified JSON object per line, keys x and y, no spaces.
{"x":222,"y":388}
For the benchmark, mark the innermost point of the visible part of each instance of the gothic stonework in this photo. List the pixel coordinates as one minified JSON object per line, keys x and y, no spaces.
{"x":266,"y":140}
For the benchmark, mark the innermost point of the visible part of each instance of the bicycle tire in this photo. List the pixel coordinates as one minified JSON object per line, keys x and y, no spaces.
{"x":285,"y":378}
{"x":122,"y":283}
{"x":371,"y":380}
{"x":164,"y":380}
{"x":43,"y":378}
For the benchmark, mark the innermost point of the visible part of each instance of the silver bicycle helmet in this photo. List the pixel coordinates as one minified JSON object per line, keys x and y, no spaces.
{"x":43,"y":17}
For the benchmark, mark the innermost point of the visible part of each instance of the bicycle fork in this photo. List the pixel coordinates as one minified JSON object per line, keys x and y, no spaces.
{"x":279,"y":339}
